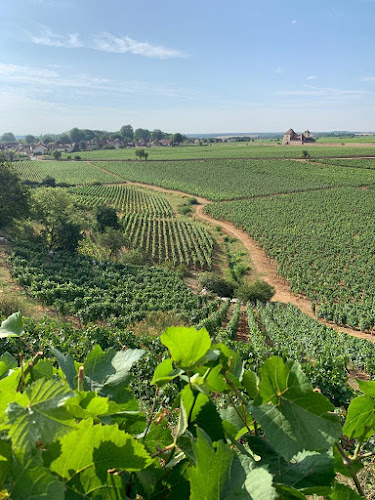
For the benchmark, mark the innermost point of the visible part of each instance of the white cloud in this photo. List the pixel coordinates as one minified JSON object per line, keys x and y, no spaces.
{"x":310,"y":91}
{"x":122,"y":45}
{"x":294,"y":21}
{"x":368,"y":78}
{"x":40,"y":79}
{"x":106,"y":42}
{"x":311,"y":77}
{"x":47,"y":37}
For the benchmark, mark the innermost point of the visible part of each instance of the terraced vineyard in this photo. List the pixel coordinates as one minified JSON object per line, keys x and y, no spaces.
{"x":324,"y":243}
{"x":170,"y":240}
{"x":69,"y":172}
{"x":125,"y":199}
{"x":228,"y":179}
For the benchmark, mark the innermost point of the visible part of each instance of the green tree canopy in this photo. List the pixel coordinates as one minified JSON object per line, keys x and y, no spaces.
{"x":142,"y":134}
{"x":30,"y":139}
{"x":177,"y":138}
{"x":106,"y":217}
{"x":14,"y":197}
{"x":55,"y":211}
{"x":8,"y":137}
{"x":77,"y":135}
{"x":127,"y":133}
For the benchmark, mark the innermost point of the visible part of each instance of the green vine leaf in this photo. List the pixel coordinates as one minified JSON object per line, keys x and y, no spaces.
{"x":90,"y":451}
{"x":40,"y":417}
{"x":12,"y":326}
{"x":186,"y":345}
{"x":293,"y":416}
{"x":360,"y":421}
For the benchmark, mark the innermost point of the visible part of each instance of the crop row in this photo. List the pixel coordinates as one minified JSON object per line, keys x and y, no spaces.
{"x":69,"y":172}
{"x":126,"y":199}
{"x":229,"y":179}
{"x":324,"y":244}
{"x":170,"y":240}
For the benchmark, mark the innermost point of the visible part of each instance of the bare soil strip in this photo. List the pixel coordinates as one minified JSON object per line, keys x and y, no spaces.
{"x":262,"y":264}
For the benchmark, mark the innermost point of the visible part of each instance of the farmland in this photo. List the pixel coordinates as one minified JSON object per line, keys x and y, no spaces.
{"x":125,"y":199}
{"x":170,"y":240}
{"x":324,"y":244}
{"x":70,"y":172}
{"x":228,"y":179}
{"x":266,"y":149}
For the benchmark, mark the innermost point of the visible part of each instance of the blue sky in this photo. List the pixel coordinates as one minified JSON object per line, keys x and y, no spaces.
{"x":193,"y":67}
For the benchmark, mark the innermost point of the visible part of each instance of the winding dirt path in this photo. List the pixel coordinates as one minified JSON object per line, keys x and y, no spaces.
{"x":262,"y":264}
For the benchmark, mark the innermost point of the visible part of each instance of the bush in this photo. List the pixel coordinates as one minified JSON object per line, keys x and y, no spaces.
{"x":217,"y":285}
{"x":257,"y":290}
{"x":8,"y":305}
{"x":184,"y":210}
{"x":191,"y":201}
{"x":77,"y":157}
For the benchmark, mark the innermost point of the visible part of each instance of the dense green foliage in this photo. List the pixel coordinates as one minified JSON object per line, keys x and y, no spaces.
{"x":324,"y":243}
{"x":366,"y":163}
{"x":14,"y":198}
{"x":228,"y":179}
{"x":75,"y":431}
{"x":92,"y":290}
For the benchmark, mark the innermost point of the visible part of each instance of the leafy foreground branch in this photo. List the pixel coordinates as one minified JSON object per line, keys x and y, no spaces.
{"x":71,"y":431}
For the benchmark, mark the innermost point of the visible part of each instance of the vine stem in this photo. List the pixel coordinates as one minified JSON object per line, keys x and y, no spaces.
{"x":150,"y":418}
{"x":243,"y":406}
{"x":348,"y":462}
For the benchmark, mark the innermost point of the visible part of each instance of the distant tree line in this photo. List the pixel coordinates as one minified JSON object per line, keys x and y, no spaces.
{"x":82,"y":136}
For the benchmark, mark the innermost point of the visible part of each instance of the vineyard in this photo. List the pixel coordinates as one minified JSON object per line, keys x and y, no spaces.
{"x":92,"y":290}
{"x":69,"y":172}
{"x":324,"y":244}
{"x":258,"y":149}
{"x":170,"y":240}
{"x":365,"y":163}
{"x":125,"y":199}
{"x":228,"y":179}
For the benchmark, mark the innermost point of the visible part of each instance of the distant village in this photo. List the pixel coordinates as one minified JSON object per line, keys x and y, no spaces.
{"x":89,"y":140}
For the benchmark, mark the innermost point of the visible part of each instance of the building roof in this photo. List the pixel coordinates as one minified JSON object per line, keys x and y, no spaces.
{"x":290,"y":132}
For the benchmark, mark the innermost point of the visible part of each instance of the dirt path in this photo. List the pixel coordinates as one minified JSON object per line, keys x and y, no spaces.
{"x":262,"y":264}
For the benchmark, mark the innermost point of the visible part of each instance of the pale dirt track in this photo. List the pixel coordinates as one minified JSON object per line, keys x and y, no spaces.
{"x":262,"y":265}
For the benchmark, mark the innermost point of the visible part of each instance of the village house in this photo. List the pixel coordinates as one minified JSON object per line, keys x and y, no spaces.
{"x":291,"y":138}
{"x":39,"y":149}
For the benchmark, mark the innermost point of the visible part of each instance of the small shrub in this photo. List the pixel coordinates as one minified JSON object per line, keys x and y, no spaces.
{"x":77,"y":157}
{"x":184,"y":210}
{"x":8,"y":305}
{"x":257,"y":290}
{"x":217,"y":285}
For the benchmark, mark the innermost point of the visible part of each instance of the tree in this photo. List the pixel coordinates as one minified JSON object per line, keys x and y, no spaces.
{"x":257,"y":290}
{"x":76,"y":135}
{"x":177,"y":138}
{"x":56,"y":155}
{"x":8,"y":137}
{"x":82,"y":145}
{"x":127,"y":133}
{"x":30,"y":139}
{"x":142,"y":134}
{"x":49,"y":181}
{"x":106,"y":217}
{"x":114,"y":240}
{"x":216,"y":284}
{"x":157,"y":135}
{"x":14,"y":196}
{"x":47,"y":139}
{"x":141,"y":153}
{"x":64,"y":138}
{"x":55,"y":211}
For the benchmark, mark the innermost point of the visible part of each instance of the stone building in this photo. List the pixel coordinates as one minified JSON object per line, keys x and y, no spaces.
{"x":291,"y":138}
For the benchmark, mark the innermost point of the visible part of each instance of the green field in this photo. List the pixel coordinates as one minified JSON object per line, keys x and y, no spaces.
{"x":270,"y":149}
{"x":228,"y":179}
{"x":360,"y":139}
{"x":324,"y":243}
{"x":366,"y":163}
{"x":70,"y":172}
